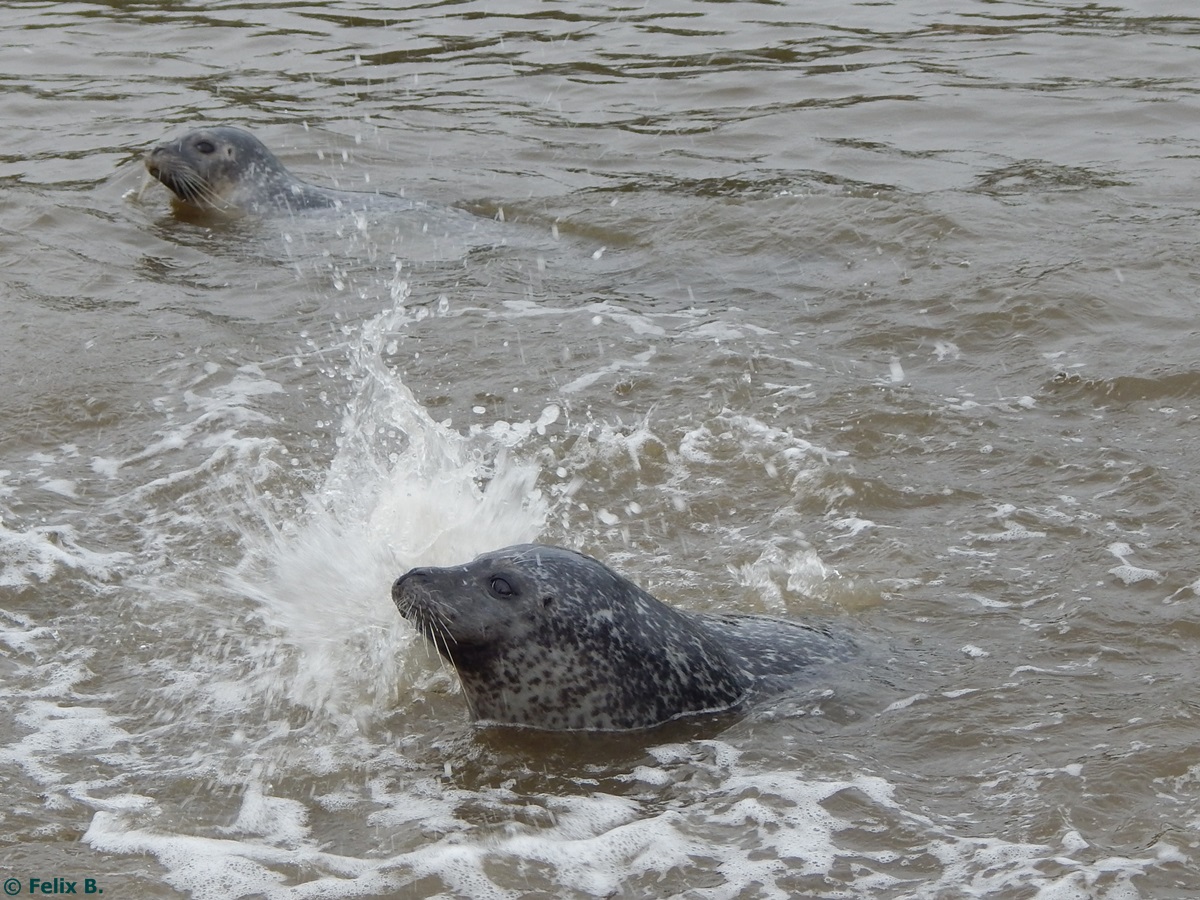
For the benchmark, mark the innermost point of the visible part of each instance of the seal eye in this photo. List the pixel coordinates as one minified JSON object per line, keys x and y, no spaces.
{"x":501,"y":588}
{"x":205,"y":147}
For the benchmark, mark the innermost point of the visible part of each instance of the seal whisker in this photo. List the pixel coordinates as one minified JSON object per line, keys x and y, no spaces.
{"x":441,"y":638}
{"x":435,"y":624}
{"x":199,"y":191}
{"x":186,"y":183}
{"x":443,"y":622}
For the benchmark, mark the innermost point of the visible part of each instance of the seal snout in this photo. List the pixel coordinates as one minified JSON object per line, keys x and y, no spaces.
{"x":404,"y":587}
{"x":153,"y":159}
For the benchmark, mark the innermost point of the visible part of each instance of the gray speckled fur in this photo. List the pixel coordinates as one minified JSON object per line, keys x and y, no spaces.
{"x":574,"y":646}
{"x":240,"y":175}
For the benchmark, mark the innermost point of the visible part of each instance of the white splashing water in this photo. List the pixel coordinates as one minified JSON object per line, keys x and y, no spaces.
{"x":402,"y":490}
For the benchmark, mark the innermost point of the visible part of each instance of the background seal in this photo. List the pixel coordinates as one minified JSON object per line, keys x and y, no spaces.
{"x":228,"y":170}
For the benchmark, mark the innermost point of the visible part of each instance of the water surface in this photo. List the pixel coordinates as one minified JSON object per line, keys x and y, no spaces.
{"x":879,"y":314}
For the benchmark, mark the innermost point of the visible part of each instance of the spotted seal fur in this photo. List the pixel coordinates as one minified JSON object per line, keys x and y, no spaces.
{"x":548,"y":638}
{"x":228,"y":170}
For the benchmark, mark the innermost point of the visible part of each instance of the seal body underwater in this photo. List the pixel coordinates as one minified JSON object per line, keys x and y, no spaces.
{"x":548,"y":638}
{"x":228,"y":170}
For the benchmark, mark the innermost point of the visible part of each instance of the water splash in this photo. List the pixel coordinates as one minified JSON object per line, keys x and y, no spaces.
{"x":402,"y":490}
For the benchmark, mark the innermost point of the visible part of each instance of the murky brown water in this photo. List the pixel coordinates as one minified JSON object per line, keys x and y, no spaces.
{"x":877,"y":313}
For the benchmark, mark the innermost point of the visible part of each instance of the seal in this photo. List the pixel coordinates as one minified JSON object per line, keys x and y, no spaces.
{"x":228,"y":170}
{"x":549,"y":638}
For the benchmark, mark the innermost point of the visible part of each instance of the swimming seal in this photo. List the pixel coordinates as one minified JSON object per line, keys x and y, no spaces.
{"x":228,"y":170}
{"x":548,"y":638}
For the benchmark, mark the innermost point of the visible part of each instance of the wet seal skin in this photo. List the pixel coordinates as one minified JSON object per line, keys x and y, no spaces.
{"x":552,"y":639}
{"x":228,"y":170}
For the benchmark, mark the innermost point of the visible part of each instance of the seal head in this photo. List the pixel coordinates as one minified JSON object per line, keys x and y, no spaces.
{"x":549,"y":638}
{"x":228,"y":170}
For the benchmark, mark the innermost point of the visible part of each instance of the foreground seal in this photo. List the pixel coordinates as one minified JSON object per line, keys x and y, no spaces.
{"x":549,"y":638}
{"x":228,"y":170}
